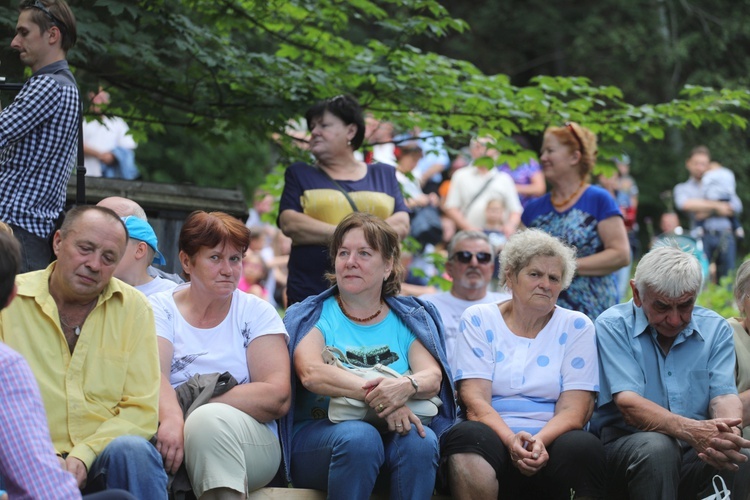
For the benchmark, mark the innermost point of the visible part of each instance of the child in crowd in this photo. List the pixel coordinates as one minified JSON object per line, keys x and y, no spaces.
{"x":282,"y":247}
{"x":494,"y":223}
{"x":254,"y":275}
{"x":494,"y":215}
{"x":718,"y":184}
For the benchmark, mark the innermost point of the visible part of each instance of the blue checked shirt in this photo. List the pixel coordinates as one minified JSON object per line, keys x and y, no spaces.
{"x":38,"y":144}
{"x":27,"y":459}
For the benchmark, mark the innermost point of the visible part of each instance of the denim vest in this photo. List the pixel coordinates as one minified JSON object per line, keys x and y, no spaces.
{"x":421,"y":317}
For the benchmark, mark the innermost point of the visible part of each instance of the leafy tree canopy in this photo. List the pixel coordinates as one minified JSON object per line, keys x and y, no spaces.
{"x":218,"y":66}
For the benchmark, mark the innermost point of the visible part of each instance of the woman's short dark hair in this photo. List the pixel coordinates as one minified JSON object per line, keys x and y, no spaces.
{"x":381,"y":237}
{"x":58,"y":14}
{"x":345,"y":108}
{"x":209,"y":229}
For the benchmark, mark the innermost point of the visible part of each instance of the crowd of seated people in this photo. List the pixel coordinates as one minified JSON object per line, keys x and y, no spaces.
{"x":535,"y":400}
{"x":164,"y":386}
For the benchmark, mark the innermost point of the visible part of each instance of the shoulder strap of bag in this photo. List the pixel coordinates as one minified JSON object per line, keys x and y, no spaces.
{"x":479,"y":193}
{"x":340,"y":188}
{"x":63,"y":76}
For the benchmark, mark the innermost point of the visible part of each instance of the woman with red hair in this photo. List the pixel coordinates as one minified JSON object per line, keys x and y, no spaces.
{"x":581,"y":215}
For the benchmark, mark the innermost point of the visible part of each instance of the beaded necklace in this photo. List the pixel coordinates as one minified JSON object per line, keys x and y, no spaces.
{"x":563,"y":203}
{"x":359,"y":320}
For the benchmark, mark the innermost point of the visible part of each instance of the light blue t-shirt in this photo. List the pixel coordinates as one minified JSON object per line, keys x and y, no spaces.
{"x":698,"y":367}
{"x":387,"y":343}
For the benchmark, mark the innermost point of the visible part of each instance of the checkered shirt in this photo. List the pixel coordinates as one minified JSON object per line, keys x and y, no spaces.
{"x":38,"y":145}
{"x":27,"y":459}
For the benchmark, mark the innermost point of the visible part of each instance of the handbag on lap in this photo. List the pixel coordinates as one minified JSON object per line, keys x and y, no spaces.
{"x":342,"y":408}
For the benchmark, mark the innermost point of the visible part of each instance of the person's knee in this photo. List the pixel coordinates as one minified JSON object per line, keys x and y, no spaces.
{"x":580,"y":447}
{"x":358,"y":441}
{"x":660,"y":448}
{"x":200,"y":422}
{"x":422,"y":449}
{"x":213,"y":424}
{"x":654,"y":452}
{"x":471,"y":468}
{"x":468,"y":461}
{"x":131,"y":447}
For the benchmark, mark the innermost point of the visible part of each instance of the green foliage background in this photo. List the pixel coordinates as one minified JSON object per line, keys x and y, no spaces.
{"x":206,"y":83}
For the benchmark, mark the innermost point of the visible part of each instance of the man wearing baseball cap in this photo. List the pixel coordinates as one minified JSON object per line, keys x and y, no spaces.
{"x":142,"y":250}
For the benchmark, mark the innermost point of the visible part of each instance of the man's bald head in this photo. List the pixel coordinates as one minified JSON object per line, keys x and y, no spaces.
{"x":123,"y":207}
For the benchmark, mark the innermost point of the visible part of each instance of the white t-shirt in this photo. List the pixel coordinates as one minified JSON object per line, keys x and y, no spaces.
{"x":410,"y":187}
{"x":451,"y":308}
{"x":156,"y":285}
{"x":105,"y":136}
{"x":218,"y":349}
{"x":468,"y":181}
{"x":527,"y":375}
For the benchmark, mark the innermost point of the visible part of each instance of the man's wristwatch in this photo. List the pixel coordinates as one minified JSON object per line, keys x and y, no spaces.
{"x":414,"y":383}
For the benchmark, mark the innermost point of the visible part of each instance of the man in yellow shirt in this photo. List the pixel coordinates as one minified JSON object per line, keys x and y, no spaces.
{"x":91,"y":343}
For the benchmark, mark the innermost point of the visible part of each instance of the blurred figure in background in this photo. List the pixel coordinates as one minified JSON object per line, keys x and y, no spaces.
{"x":528,"y":176}
{"x":474,"y":185}
{"x":108,"y":147}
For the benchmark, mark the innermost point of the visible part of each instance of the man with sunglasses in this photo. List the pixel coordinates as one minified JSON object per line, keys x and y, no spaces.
{"x":470,"y":265}
{"x":39,"y":130}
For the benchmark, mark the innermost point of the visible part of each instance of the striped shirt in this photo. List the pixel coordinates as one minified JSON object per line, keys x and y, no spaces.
{"x":27,"y":459}
{"x":38,"y":144}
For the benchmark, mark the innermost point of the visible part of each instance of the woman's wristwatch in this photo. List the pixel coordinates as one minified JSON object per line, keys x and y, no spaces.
{"x":414,"y":383}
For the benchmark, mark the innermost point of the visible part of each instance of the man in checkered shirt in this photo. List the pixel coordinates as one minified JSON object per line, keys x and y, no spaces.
{"x":39,"y":130}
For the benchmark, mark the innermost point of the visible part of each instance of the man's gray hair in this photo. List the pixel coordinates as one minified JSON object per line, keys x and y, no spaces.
{"x":742,"y":286}
{"x":670,"y":271}
{"x":470,"y":235}
{"x":523,"y":246}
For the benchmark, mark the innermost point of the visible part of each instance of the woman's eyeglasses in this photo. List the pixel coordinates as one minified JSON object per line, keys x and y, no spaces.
{"x":575,"y":135}
{"x":464,"y":257}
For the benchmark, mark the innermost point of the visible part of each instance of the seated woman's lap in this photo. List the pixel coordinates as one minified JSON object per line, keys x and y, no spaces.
{"x":327,"y":456}
{"x":576,"y":461}
{"x":229,"y":449}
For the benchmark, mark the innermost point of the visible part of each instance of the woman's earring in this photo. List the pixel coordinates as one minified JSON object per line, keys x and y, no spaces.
{"x":348,"y":143}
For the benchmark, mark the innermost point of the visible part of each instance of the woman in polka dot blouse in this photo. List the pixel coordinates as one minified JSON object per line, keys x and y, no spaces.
{"x":527,"y":373}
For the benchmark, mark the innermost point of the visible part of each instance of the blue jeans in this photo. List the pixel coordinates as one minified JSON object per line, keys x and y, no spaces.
{"x":721,"y":247}
{"x":346,"y":459}
{"x":129,"y":463}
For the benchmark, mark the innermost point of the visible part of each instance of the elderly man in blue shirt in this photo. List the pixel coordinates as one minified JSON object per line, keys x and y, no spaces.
{"x":668,"y":411}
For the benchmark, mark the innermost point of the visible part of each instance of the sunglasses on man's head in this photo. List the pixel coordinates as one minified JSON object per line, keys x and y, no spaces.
{"x":464,"y":257}
{"x":56,"y":21}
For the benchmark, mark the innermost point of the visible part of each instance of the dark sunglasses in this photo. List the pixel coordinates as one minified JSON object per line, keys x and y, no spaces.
{"x":57,"y":22}
{"x":464,"y":257}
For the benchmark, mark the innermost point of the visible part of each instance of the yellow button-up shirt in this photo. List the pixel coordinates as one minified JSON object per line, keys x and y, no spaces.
{"x":109,"y":386}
